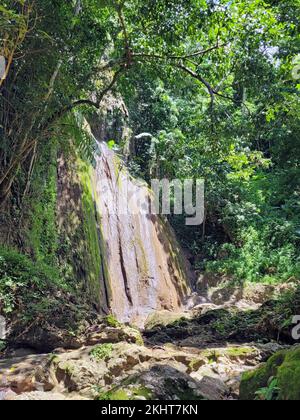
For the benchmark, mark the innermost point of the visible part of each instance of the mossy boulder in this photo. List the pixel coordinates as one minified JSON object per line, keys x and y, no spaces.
{"x":289,"y":376}
{"x":166,"y":383}
{"x":111,"y":331}
{"x":163,"y":319}
{"x":285,"y":367}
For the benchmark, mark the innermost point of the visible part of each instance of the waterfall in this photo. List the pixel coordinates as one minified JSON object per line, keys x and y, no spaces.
{"x":144,"y":264}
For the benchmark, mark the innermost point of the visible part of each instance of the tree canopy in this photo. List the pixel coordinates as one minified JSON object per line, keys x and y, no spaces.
{"x":211,"y":81}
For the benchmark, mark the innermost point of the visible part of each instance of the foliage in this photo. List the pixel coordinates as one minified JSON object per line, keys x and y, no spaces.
{"x":270,"y":393}
{"x":14,"y":27}
{"x":278,"y":379}
{"x":209,"y":82}
{"x":39,"y":205}
{"x":23,"y":282}
{"x":103,"y":351}
{"x":112,"y":321}
{"x":246,"y":146}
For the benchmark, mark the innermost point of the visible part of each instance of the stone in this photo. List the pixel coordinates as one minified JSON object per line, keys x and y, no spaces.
{"x":40,"y":396}
{"x":164,"y":318}
{"x":106,"y":334}
{"x":7,"y":394}
{"x":161,"y":382}
{"x":22,"y":374}
{"x":213,"y":389}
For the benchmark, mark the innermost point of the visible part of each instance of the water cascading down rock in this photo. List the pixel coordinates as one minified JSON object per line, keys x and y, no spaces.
{"x":144,"y":265}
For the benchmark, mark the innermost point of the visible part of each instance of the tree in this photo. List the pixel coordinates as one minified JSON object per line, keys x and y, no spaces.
{"x":59,"y":67}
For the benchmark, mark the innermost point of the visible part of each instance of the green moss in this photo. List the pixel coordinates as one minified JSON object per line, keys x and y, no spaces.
{"x":211,"y":355}
{"x":252,"y":382}
{"x":53,"y":358}
{"x":237,"y":352}
{"x":195,"y":365}
{"x":120,"y":395}
{"x":283,"y":366}
{"x":91,"y":235}
{"x":67,"y":368}
{"x":288,"y":376}
{"x":112,"y":321}
{"x":82,"y":248}
{"x":41,"y":229}
{"x":128,"y":394}
{"x":139,"y":340}
{"x":143,"y":392}
{"x":102,"y":351}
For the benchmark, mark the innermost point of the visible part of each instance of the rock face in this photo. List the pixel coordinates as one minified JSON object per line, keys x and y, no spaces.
{"x":128,"y":259}
{"x":144,"y":267}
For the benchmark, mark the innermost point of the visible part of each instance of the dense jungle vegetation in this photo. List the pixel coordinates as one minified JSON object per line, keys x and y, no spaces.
{"x":211,"y":81}
{"x":209,"y":89}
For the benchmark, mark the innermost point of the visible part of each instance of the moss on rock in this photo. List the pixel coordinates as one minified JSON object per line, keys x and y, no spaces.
{"x":129,"y":393}
{"x":285,"y":367}
{"x":289,"y":376}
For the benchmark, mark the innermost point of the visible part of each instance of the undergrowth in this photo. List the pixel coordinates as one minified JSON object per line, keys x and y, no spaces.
{"x":24,"y":283}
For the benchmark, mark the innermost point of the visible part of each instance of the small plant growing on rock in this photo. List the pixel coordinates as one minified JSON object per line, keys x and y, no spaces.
{"x":102,"y":351}
{"x":112,"y":321}
{"x":2,"y":345}
{"x":269,"y":393}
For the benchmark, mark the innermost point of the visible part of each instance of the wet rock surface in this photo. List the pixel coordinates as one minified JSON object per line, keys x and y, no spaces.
{"x":145,"y":267}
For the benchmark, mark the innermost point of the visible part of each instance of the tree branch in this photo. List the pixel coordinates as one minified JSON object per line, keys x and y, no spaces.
{"x":123,"y":60}
{"x":197,"y":76}
{"x":67,"y":108}
{"x":213,"y":92}
{"x":179,"y":57}
{"x":128,"y":51}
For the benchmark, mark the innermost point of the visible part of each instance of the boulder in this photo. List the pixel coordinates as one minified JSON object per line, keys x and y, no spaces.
{"x":7,"y":394}
{"x":166,"y":383}
{"x":100,"y":334}
{"x":278,"y":379}
{"x":164,"y":318}
{"x":213,"y":389}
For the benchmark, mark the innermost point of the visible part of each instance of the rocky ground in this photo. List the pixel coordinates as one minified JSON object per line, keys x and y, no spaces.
{"x":197,"y":355}
{"x":130,"y":370}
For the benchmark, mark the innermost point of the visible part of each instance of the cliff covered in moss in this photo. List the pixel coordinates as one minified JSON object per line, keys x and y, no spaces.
{"x":72,"y":244}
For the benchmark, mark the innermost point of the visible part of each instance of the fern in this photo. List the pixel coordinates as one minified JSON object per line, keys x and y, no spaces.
{"x":269,"y":393}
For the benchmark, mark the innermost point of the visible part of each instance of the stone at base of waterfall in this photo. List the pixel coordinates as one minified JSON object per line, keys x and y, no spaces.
{"x":25,"y":374}
{"x":164,"y":318}
{"x":104,"y":334}
{"x":129,"y":371}
{"x":165,"y":383}
{"x":40,"y":396}
{"x":47,"y":396}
